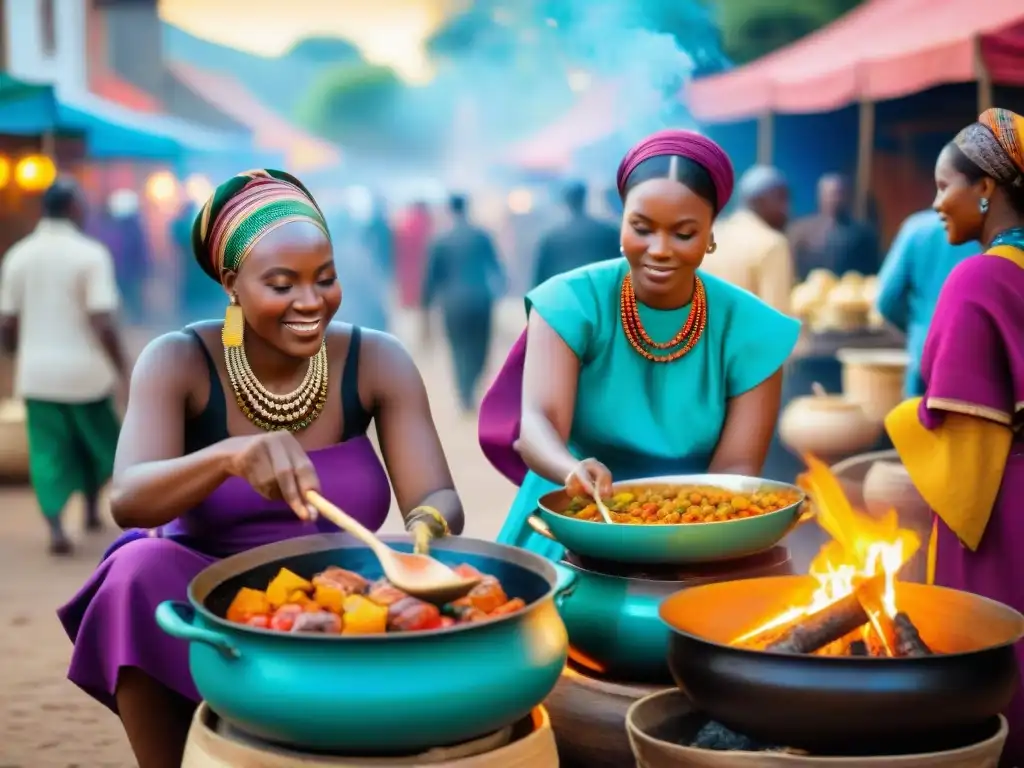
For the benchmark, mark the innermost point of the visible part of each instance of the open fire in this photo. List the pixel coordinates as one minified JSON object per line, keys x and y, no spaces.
{"x":854,"y":609}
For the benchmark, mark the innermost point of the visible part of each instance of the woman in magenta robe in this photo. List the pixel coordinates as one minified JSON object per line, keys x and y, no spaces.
{"x":969,"y":426}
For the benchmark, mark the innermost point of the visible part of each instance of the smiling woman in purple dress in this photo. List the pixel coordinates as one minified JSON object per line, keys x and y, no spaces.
{"x":963,"y":442}
{"x":212,"y":461}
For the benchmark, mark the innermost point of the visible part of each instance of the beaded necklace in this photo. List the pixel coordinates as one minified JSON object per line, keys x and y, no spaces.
{"x":1013,"y":237}
{"x":642,"y":343}
{"x":293,"y":411}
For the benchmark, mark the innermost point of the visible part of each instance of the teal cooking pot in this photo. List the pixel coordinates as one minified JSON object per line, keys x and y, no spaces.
{"x":683,"y":543}
{"x":385,"y":694}
{"x":612,"y":613}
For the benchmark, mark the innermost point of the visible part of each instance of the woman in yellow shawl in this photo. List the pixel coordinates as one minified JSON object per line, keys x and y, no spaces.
{"x":963,"y":442}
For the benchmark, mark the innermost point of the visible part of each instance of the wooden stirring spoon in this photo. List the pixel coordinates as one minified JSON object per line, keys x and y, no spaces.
{"x":417,"y":575}
{"x":602,"y":508}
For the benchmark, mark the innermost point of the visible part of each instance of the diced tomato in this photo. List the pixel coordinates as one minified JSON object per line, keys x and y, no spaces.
{"x":284,"y":617}
{"x":467,"y":571}
{"x":260,"y":621}
{"x":513,"y":605}
{"x":447,"y":621}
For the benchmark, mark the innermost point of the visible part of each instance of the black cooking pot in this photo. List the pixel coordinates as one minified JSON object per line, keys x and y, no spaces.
{"x":840,"y":705}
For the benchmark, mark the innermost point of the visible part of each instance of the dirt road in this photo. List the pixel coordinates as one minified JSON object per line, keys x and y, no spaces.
{"x":45,"y":721}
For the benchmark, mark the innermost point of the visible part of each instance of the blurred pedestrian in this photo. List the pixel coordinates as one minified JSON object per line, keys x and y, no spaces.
{"x":579,"y":241}
{"x":58,"y":299}
{"x":412,"y":242}
{"x":119,"y":228}
{"x":751,"y":251}
{"x":464,"y":277}
{"x":379,"y":240}
{"x":832,"y":238}
{"x":197,"y":299}
{"x":919,"y":261}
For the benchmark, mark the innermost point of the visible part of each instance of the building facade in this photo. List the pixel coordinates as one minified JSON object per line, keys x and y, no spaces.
{"x":45,"y":40}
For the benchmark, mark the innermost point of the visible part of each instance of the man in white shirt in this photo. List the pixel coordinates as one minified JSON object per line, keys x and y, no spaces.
{"x":58,"y":298}
{"x":752,"y":250}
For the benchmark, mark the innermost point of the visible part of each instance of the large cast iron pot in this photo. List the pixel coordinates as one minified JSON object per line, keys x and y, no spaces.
{"x":386,"y":694}
{"x":612,"y":615}
{"x":671,"y":544}
{"x":835,"y":705}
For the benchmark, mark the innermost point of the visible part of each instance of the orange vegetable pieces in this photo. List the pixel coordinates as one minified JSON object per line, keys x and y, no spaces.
{"x":248,"y":603}
{"x":328,"y":597}
{"x":487,"y":595}
{"x":284,"y":585}
{"x":364,"y":617}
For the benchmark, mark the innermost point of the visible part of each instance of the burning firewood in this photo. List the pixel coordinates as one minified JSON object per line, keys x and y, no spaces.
{"x":831,"y":623}
{"x":908,"y":639}
{"x":858,"y":648}
{"x":897,"y":633}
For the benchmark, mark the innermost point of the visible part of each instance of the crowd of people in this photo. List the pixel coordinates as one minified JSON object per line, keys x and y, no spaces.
{"x":677,"y":317}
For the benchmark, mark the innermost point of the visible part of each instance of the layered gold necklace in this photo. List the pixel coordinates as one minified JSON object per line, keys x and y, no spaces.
{"x":269,"y":411}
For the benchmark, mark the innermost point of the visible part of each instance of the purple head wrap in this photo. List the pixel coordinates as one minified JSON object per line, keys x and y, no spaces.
{"x":688,"y":144}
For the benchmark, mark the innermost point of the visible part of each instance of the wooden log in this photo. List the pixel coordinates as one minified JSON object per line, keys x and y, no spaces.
{"x":858,"y":648}
{"x":908,"y":639}
{"x":872,"y":598}
{"x":823,"y":627}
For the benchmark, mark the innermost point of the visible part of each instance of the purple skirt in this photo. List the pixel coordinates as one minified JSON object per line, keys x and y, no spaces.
{"x":111,"y":622}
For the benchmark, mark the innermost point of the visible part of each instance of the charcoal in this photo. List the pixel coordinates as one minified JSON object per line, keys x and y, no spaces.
{"x":717,"y":737}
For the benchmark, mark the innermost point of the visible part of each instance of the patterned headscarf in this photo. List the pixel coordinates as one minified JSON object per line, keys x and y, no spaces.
{"x":996,"y":145}
{"x":690,"y":145}
{"x":244,"y":209}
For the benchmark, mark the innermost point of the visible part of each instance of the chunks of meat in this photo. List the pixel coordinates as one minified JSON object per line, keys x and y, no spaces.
{"x":321,"y":621}
{"x":347,"y":582}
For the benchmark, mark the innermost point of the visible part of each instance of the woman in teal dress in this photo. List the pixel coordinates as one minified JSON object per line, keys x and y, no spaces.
{"x":640,"y":366}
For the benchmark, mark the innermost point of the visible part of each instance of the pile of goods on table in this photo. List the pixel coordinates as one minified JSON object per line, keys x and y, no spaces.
{"x":337,"y":601}
{"x":683,"y":504}
{"x":830,"y":303}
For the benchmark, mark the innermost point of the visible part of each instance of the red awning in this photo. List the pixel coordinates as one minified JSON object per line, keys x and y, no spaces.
{"x":303,"y":151}
{"x":113,"y":88}
{"x":883,"y":49}
{"x":595,"y":116}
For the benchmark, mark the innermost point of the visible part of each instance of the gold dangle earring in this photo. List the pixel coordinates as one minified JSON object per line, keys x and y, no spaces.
{"x":712,"y":246}
{"x":234,"y":324}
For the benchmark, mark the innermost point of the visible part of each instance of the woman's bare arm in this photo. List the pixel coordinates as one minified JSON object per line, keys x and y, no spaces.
{"x":749,"y":424}
{"x":153,"y":483}
{"x":550,"y":378}
{"x":405,"y":429}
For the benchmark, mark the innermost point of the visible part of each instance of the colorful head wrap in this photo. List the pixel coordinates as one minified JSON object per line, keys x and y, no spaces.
{"x":996,"y":145}
{"x":242,"y":210}
{"x":688,"y":144}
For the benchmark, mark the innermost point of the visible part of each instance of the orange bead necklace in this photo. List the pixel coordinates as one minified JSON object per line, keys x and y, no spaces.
{"x":687,"y":337}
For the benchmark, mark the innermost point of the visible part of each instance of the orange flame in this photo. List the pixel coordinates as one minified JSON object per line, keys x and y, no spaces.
{"x":861,"y":547}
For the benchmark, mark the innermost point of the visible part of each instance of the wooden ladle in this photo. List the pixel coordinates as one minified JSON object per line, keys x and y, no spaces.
{"x":417,"y":575}
{"x":602,"y":508}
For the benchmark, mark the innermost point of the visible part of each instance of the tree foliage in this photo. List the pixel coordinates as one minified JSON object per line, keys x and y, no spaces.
{"x":752,"y":28}
{"x":346,"y":102}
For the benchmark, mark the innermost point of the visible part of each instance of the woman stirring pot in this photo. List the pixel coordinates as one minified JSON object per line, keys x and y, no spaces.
{"x":962,"y":443}
{"x":212,"y":460}
{"x":640,"y":366}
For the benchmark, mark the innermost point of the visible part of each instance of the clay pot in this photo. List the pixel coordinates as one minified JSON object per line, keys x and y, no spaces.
{"x":827,"y":426}
{"x":13,"y":441}
{"x":658,"y":723}
{"x":529,"y":744}
{"x":873,"y":378}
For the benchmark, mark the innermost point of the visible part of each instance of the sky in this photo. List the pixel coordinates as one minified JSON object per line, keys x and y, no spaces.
{"x":388,"y":32}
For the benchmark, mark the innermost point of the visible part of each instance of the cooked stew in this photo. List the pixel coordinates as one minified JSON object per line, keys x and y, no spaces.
{"x":337,"y":601}
{"x":683,"y":504}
